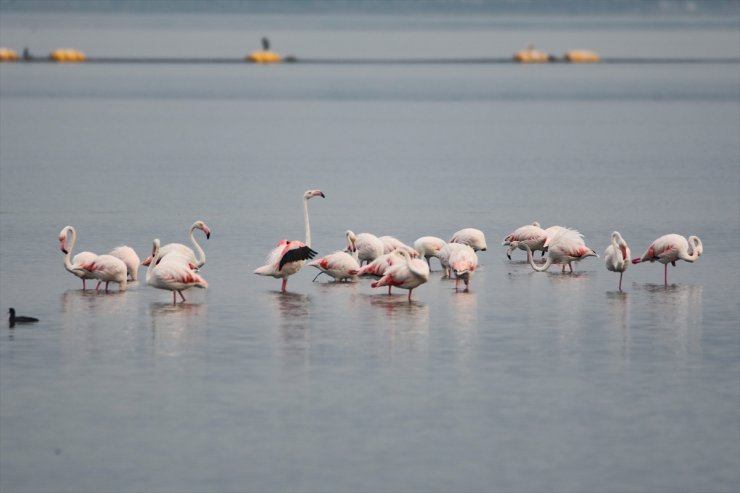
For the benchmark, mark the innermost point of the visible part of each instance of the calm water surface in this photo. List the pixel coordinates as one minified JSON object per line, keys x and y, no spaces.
{"x":529,"y":382}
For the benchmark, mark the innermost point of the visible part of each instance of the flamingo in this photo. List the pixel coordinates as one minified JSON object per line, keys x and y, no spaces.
{"x":67,"y":238}
{"x":391,"y":243}
{"x":188,"y":252}
{"x":380,"y":265}
{"x":407,"y":274}
{"x":445,"y":254}
{"x":565,"y":247}
{"x":472,"y":237}
{"x":339,"y":265}
{"x":107,"y":269}
{"x":670,"y":248}
{"x":173,"y":272}
{"x":129,"y":257}
{"x":463,"y":262}
{"x":617,"y":256}
{"x":368,"y":246}
{"x":288,"y":257}
{"x":531,"y":234}
{"x":429,"y":246}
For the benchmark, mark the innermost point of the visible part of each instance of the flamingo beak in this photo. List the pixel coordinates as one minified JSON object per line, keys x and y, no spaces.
{"x":322,"y":195}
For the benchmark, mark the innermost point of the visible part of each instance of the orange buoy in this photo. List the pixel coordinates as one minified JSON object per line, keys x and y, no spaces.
{"x":67,"y":55}
{"x":581,"y":56}
{"x":264,"y":57}
{"x":8,"y":55}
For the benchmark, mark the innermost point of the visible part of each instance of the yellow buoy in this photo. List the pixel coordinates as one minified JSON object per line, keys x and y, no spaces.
{"x":531,"y":55}
{"x":264,"y":57}
{"x":67,"y":55}
{"x":582,"y":56}
{"x":8,"y":55}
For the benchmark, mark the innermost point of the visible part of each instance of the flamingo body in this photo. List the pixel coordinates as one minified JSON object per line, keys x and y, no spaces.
{"x":463,"y":262}
{"x":186,"y":251}
{"x":429,"y":246}
{"x":565,"y":247}
{"x":368,"y":246}
{"x":530,"y":234}
{"x":445,"y":254}
{"x":107,"y":269}
{"x":409,"y":273}
{"x":617,"y":256}
{"x":130,"y":258}
{"x":339,"y":265}
{"x":67,"y":238}
{"x":472,"y":237}
{"x":671,"y":248}
{"x":173,"y":272}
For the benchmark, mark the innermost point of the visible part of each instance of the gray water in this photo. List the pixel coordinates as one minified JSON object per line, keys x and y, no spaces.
{"x":529,"y":382}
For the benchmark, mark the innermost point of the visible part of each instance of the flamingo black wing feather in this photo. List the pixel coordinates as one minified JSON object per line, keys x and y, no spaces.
{"x":301,"y":253}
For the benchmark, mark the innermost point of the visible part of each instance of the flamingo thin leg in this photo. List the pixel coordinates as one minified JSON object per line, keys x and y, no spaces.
{"x":620,"y":281}
{"x":410,"y":290}
{"x":182,"y":296}
{"x":665,"y":275}
{"x":285,"y":283}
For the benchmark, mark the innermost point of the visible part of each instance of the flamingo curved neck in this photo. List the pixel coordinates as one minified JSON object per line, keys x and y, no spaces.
{"x":201,"y":259}
{"x":696,"y":249}
{"x":530,"y":259}
{"x":72,"y":236}
{"x":618,"y":258}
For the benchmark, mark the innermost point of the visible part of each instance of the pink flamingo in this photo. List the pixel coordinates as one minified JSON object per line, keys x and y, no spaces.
{"x":380,"y":265}
{"x":445,"y":254}
{"x":391,"y":243}
{"x":190,"y":255}
{"x":463,"y":262}
{"x":288,"y":257}
{"x":368,"y":246}
{"x":428,"y":247}
{"x":339,"y":265}
{"x":565,"y":246}
{"x":531,"y":234}
{"x":670,"y":248}
{"x":173,"y":272}
{"x":617,"y":256}
{"x":67,"y":238}
{"x":409,"y":273}
{"x":107,"y":269}
{"x":130,"y":258}
{"x":472,"y":237}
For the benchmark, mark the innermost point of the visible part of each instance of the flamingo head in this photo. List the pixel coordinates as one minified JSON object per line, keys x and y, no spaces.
{"x":512,"y":246}
{"x":309,"y":194}
{"x":63,"y":244}
{"x":155,"y":252}
{"x":351,"y":241}
{"x":202,"y":226}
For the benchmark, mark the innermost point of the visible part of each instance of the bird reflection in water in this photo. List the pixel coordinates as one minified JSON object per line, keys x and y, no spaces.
{"x":406,"y":323}
{"x":465,"y":310}
{"x":178,"y":329}
{"x":618,"y":303}
{"x":293,"y":315}
{"x":675,"y":313}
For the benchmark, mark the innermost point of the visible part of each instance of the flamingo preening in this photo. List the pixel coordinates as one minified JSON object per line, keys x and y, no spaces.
{"x":186,"y":251}
{"x":288,"y":257}
{"x":172,"y":272}
{"x":670,"y":248}
{"x":444,"y":256}
{"x":617,"y":256}
{"x":472,"y":237}
{"x":566,"y":246}
{"x":409,"y":273}
{"x":107,"y":269}
{"x":529,"y":234}
{"x":67,"y":238}
{"x":368,"y":246}
{"x":340,"y":265}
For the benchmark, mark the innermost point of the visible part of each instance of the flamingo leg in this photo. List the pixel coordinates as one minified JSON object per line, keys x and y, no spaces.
{"x":317,"y":276}
{"x":620,"y":281}
{"x":389,"y":290}
{"x":457,"y":282}
{"x":410,"y":290}
{"x":570,"y":265}
{"x":665,"y":275}
{"x":97,"y":286}
{"x":182,"y":296}
{"x":174,"y":298}
{"x":285,"y":283}
{"x":83,"y":285}
{"x":106,"y":286}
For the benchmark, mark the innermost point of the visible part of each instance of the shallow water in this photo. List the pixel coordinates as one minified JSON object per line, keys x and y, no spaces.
{"x":529,"y":382}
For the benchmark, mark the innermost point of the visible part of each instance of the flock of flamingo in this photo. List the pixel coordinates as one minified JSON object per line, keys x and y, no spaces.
{"x":175,"y":267}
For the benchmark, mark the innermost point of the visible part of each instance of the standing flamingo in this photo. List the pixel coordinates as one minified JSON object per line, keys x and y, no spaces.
{"x":428,"y":247}
{"x":107,"y":269}
{"x":472,"y":237}
{"x":188,"y":252}
{"x":407,"y":274}
{"x":173,"y":272}
{"x":129,"y":257}
{"x":565,"y":247}
{"x":617,"y":256}
{"x":339,"y":265}
{"x":288,"y":257}
{"x":368,"y":246}
{"x":463,"y":262}
{"x":445,"y":254}
{"x":67,"y":238}
{"x":531,"y":234}
{"x":670,"y":248}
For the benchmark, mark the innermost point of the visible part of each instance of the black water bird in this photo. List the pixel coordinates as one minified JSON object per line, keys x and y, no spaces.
{"x":20,"y":319}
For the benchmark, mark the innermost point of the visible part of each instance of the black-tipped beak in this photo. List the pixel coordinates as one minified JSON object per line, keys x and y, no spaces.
{"x":322,"y":195}
{"x":208,"y":235}
{"x":508,"y":256}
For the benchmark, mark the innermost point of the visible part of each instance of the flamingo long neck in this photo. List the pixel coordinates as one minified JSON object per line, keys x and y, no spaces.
{"x":306,"y":223}
{"x":618,"y":256}
{"x":153,"y":263}
{"x":201,"y":260}
{"x":530,"y":259}
{"x":71,"y":236}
